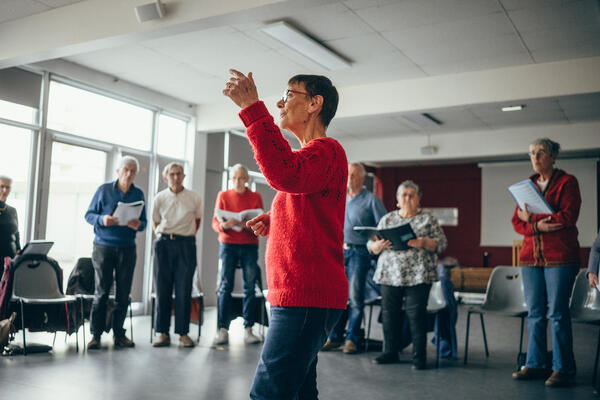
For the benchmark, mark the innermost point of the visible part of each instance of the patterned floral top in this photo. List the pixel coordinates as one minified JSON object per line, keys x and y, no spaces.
{"x":413,"y":266}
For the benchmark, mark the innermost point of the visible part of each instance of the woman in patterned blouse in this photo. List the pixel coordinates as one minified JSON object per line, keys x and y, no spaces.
{"x":407,"y":273}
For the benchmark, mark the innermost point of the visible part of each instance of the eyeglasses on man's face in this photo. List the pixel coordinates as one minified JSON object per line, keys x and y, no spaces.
{"x":284,"y":98}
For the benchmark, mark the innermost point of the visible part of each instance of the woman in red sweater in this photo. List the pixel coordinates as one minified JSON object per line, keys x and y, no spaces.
{"x":308,"y":289}
{"x":550,"y":260}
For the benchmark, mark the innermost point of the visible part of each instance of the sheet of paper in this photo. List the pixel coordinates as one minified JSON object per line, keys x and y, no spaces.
{"x":243,"y":216}
{"x":125,"y":212}
{"x":526,"y":192}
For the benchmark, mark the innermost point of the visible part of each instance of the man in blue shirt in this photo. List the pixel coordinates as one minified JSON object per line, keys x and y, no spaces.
{"x":114,"y":250}
{"x":363,"y":208}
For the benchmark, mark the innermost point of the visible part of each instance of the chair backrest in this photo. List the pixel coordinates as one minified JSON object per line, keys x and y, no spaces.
{"x":505,"y":290}
{"x":436,"y":301}
{"x":585,"y":300}
{"x":36,"y":279}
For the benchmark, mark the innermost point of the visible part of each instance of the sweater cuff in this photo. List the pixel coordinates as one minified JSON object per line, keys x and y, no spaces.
{"x":253,"y":113}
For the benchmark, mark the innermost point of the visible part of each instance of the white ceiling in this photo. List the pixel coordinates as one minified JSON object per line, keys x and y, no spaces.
{"x":385,"y":40}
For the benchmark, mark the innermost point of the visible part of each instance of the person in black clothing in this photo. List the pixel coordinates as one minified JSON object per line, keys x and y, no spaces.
{"x":9,"y":224}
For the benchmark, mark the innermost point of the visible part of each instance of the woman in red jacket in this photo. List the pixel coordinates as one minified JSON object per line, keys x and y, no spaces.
{"x":308,"y":289}
{"x":550,"y":260}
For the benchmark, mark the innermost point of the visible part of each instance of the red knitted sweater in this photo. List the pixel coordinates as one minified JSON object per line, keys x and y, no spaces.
{"x":230,"y":200}
{"x":304,"y":257}
{"x":559,"y":248}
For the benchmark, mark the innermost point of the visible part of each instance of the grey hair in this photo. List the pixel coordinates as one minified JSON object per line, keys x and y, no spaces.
{"x":550,"y":146}
{"x":361,"y":167}
{"x":128,"y":160}
{"x":6,"y":178}
{"x":237,"y":167}
{"x":170,"y":165}
{"x":408,"y":184}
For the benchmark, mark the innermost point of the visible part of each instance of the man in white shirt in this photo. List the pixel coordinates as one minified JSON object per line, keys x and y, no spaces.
{"x":176,"y":215}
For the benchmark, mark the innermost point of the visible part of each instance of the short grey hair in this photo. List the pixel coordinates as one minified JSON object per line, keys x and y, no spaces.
{"x":361,"y":167}
{"x":237,"y":167}
{"x":550,"y":146}
{"x":170,"y":165}
{"x":128,"y":160}
{"x":6,"y":178}
{"x":408,"y":184}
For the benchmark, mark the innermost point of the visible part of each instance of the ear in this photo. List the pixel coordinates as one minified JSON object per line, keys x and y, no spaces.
{"x":315,"y":104}
{"x":165,"y":179}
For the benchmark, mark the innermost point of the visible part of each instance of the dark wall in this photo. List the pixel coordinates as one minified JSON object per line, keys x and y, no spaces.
{"x":452,"y":186}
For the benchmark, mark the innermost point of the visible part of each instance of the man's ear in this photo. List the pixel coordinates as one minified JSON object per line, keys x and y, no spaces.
{"x":165,"y":179}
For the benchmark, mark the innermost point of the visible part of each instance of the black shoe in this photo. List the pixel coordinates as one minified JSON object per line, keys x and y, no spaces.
{"x":123,"y":341}
{"x":419,"y":366}
{"x":386,"y":358}
{"x":94,"y":344}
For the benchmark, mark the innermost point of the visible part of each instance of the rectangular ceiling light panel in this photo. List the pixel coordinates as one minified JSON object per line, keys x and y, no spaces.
{"x":305,"y":45}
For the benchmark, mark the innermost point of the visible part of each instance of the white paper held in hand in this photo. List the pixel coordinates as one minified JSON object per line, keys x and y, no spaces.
{"x":525,"y":192}
{"x":242,"y":216}
{"x":125,"y":212}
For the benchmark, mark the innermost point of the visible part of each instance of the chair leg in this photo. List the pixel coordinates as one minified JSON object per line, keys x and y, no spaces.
{"x":130,"y":319}
{"x":487,"y":353}
{"x":153,"y":304}
{"x":467,"y":336}
{"x":437,"y":341}
{"x":82,"y":320}
{"x":23,"y":328}
{"x":521,"y":337}
{"x":369,"y":328}
{"x":596,"y":362}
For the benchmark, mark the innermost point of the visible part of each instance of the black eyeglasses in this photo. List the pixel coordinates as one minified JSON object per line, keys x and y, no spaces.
{"x":284,"y":98}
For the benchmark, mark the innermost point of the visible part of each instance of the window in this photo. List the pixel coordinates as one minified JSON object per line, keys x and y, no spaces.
{"x":171,"y":137}
{"x":17,"y":112}
{"x":75,"y":174}
{"x":16,"y":149}
{"x":94,"y":116}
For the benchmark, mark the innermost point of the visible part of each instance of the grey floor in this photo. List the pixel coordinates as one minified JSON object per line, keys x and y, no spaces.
{"x":207,"y":373}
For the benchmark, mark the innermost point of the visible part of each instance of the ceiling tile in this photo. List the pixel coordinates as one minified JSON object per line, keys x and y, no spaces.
{"x":408,"y":14}
{"x":15,"y":9}
{"x":575,"y":36}
{"x":562,"y":15}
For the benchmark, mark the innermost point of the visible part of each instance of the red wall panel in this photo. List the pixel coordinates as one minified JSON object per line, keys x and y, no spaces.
{"x":457,"y":186}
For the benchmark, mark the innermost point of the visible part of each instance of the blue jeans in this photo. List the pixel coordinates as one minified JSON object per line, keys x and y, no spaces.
{"x":245,"y":257}
{"x":287,"y":369}
{"x":175,"y":263}
{"x":547,"y":292}
{"x":358,"y":262}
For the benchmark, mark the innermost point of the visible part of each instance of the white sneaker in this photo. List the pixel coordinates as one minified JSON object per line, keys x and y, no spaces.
{"x":250,"y":337}
{"x":222,"y":337}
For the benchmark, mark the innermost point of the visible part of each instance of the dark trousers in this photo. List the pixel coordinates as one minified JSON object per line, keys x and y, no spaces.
{"x":416,"y":310}
{"x":111,"y":263}
{"x":287,"y":369}
{"x":233,"y":256}
{"x":175,"y":262}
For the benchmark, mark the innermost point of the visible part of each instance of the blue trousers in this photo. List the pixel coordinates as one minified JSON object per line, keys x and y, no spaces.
{"x":358,"y":262}
{"x":547,"y":292}
{"x":175,"y":262}
{"x":233,"y":256}
{"x":287,"y":369}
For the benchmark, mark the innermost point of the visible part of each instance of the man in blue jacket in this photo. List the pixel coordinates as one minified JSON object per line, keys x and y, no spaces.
{"x":114,"y":250}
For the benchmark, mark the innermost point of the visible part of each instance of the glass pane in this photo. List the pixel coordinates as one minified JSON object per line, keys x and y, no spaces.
{"x":171,"y":136}
{"x":75,"y":174}
{"x":91,"y":115}
{"x":17,"y":112}
{"x":16,"y":150}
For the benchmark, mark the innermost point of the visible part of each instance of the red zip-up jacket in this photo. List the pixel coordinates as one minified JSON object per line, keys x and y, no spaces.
{"x":559,"y":248}
{"x":304,"y":257}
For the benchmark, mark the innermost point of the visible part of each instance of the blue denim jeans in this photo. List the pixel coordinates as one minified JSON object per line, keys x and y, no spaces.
{"x":358,"y":262}
{"x":547,"y":292}
{"x":287,"y":369}
{"x":233,"y":256}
